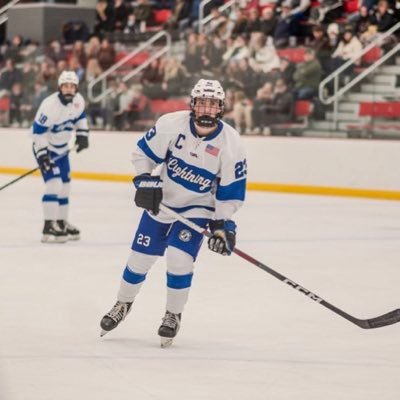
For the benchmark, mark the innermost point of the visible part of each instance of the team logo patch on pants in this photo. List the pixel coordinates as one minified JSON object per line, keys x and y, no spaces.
{"x":185,"y":235}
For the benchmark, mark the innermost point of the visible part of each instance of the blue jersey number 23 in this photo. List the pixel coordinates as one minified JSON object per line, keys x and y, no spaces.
{"x":240,"y":169}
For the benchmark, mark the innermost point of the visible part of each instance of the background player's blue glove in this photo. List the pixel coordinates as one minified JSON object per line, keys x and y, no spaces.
{"x":81,"y":142}
{"x":45,"y":162}
{"x":148,"y":192}
{"x":223,"y":237}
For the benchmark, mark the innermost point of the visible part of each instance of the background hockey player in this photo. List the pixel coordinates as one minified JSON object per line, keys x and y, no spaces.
{"x":57,"y":117}
{"x":203,"y":176}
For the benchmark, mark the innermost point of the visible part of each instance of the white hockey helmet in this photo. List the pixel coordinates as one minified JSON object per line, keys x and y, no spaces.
{"x":68,"y":77}
{"x":207,"y":89}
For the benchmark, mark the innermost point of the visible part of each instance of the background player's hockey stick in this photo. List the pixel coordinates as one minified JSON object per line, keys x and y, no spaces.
{"x":389,"y":318}
{"x":34,"y":170}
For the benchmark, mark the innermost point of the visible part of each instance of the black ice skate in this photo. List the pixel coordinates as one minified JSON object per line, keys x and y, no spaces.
{"x":52,"y":233}
{"x":71,"y":231}
{"x":112,"y":319}
{"x":169,"y":328}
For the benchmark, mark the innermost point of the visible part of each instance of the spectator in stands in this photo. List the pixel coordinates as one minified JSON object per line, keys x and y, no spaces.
{"x":16,"y":100}
{"x":253,"y":22}
{"x":210,"y":58}
{"x":139,"y":107}
{"x":30,"y":52}
{"x":132,"y":26}
{"x":78,"y":51}
{"x":242,"y":112}
{"x":268,"y":21}
{"x":9,"y":75}
{"x":286,"y":71}
{"x":75,"y":65}
{"x":75,"y":30}
{"x":121,"y":116}
{"x":118,"y":14}
{"x":13,"y":51}
{"x":280,"y":110}
{"x":106,"y":54}
{"x":348,"y":48}
{"x":180,"y":15}
{"x":143,"y":13}
{"x":153,"y":73}
{"x":40,"y":92}
{"x":111,"y":104}
{"x":264,"y":56}
{"x":55,"y":51}
{"x":263,"y":99}
{"x":361,"y":21}
{"x":48,"y":74}
{"x":102,"y":17}
{"x":283,"y":27}
{"x":323,"y":49}
{"x":92,"y":47}
{"x":383,"y":17}
{"x":307,"y":76}
{"x":240,"y":22}
{"x":192,"y":57}
{"x":237,"y":49}
{"x":175,"y":78}
{"x":333,"y":34}
{"x":28,"y":77}
{"x":95,"y":110}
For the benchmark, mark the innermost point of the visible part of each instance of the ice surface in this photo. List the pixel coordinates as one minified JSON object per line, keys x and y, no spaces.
{"x":245,"y":335}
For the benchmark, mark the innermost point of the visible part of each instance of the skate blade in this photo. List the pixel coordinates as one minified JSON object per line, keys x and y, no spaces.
{"x":103,"y":333}
{"x":166,"y":342}
{"x":53,"y":239}
{"x":74,"y":237}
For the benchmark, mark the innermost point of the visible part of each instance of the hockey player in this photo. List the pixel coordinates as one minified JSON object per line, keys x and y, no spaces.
{"x":57,"y":117}
{"x":203,"y":177}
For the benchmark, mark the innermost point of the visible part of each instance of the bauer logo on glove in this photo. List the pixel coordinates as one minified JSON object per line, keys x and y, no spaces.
{"x":148,"y":192}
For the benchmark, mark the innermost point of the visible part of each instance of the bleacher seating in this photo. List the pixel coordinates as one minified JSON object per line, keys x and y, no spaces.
{"x":302,"y":111}
{"x":383,"y":118}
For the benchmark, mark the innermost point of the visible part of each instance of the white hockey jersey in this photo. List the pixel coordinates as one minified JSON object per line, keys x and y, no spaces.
{"x":55,"y":122}
{"x":203,"y":177}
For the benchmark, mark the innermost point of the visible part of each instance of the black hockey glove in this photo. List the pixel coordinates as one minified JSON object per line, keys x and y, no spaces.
{"x":223,"y":237}
{"x":45,"y":162}
{"x":81,"y":143}
{"x":148,"y":192}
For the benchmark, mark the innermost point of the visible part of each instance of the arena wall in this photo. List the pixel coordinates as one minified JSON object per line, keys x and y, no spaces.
{"x":344,"y":167}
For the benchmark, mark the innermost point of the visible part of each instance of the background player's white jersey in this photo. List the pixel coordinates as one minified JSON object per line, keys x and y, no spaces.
{"x":55,"y":122}
{"x":202,"y":176}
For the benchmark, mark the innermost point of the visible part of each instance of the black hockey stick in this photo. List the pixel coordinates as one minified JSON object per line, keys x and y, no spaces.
{"x":389,"y":318}
{"x":33,"y":170}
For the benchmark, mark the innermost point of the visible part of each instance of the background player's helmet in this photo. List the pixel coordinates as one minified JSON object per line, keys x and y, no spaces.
{"x":208,"y":89}
{"x":67,"y":77}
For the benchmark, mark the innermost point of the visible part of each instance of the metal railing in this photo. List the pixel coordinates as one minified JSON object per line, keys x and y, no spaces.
{"x":102,"y":78}
{"x":334,"y":76}
{"x":205,"y":20}
{"x":4,"y":9}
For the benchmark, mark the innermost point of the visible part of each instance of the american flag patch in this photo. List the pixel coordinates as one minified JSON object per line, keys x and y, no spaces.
{"x":212,"y":150}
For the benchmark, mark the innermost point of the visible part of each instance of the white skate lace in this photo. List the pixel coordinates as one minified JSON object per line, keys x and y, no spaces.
{"x":118,"y":312}
{"x":170,"y":321}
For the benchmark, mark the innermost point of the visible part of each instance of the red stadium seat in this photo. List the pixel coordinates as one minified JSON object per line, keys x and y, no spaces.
{"x":161,"y":16}
{"x":138,"y":59}
{"x":373,"y":55}
{"x":295,"y":54}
